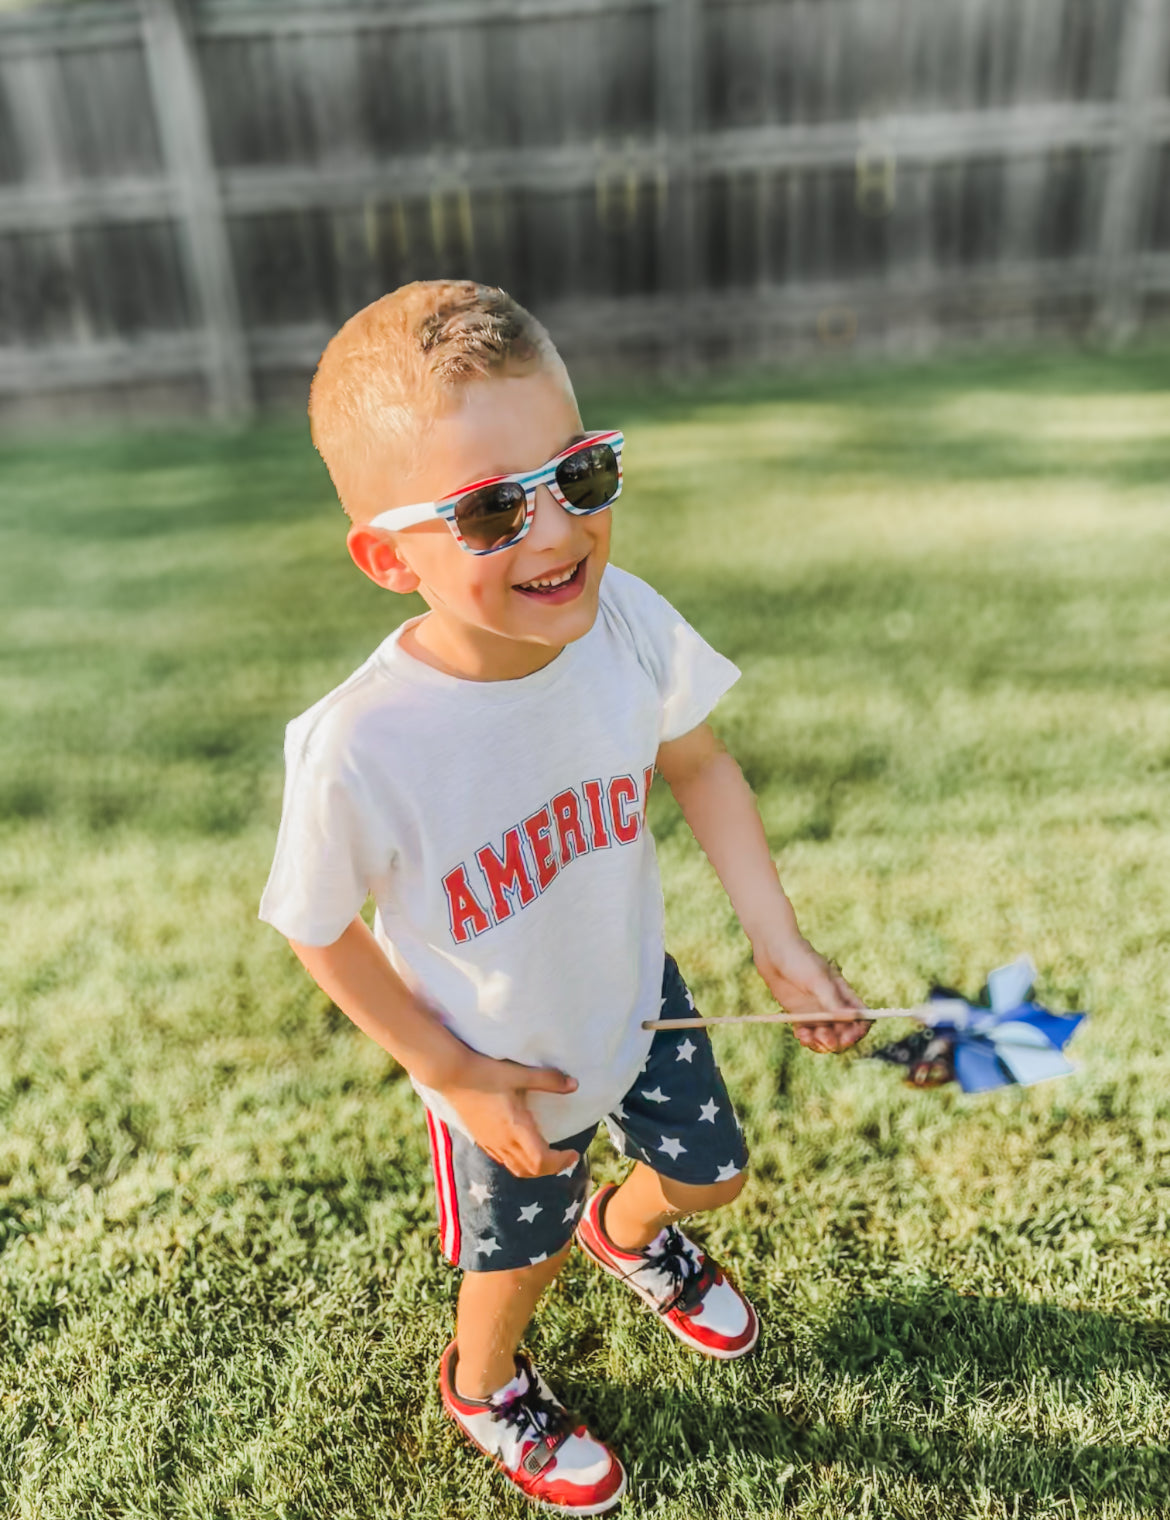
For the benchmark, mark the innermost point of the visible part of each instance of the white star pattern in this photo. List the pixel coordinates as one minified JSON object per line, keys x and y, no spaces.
{"x":709,"y":1110}
{"x":480,"y":1191}
{"x":662,"y":1005}
{"x":618,"y":1110}
{"x":487,"y":1245}
{"x":686,"y":1050}
{"x":690,"y":1001}
{"x":568,"y":1171}
{"x":656,"y":1095}
{"x":527,"y":1215}
{"x":673,"y":1148}
{"x":536,"y":1260}
{"x":570,"y":1214}
{"x":726,"y":1172}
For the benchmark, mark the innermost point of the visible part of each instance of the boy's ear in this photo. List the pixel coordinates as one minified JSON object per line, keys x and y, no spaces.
{"x":376,"y":556}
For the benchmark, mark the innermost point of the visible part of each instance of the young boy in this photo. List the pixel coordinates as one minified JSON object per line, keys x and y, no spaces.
{"x":484,"y":774}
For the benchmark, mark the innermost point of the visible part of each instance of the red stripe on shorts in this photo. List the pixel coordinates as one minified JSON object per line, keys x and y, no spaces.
{"x":448,"y":1199}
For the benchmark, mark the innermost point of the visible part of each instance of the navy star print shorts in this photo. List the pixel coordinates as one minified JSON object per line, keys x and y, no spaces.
{"x":676,"y":1117}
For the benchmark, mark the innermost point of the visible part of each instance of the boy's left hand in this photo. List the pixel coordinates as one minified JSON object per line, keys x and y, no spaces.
{"x":800,"y":979}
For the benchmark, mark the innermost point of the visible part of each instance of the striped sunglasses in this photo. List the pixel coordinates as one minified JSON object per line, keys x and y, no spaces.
{"x":493,"y":514}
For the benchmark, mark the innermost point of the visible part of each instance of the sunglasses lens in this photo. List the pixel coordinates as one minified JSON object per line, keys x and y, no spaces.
{"x":489,"y":517}
{"x":589,"y":478}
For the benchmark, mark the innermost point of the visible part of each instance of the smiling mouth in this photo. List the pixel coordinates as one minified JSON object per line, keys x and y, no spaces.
{"x":545,"y":585}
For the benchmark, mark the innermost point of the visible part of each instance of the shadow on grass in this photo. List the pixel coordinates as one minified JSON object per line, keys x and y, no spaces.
{"x":956,"y":1384}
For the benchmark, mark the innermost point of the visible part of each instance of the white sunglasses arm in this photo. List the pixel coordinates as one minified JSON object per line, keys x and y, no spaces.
{"x":423,"y":511}
{"x":405,"y":517}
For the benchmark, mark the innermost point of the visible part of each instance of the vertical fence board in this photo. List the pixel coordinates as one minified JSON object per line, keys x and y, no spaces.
{"x":677,"y":90}
{"x":1129,"y":189}
{"x":179,"y":106}
{"x":48,"y":295}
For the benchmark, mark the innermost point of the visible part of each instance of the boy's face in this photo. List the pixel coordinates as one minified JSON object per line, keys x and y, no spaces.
{"x":483,"y":620}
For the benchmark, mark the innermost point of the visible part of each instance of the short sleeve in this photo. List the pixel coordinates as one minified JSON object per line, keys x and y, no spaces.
{"x":689,"y":675}
{"x":329,"y":848}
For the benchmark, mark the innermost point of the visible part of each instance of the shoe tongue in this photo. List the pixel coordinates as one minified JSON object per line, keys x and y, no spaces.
{"x":658,"y":1249}
{"x":519,"y":1384}
{"x":661,"y":1244}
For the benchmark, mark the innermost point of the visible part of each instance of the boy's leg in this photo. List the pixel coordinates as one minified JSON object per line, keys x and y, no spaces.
{"x":646,"y":1202}
{"x":510,"y":1236}
{"x":677,"y":1124}
{"x":494,"y":1310}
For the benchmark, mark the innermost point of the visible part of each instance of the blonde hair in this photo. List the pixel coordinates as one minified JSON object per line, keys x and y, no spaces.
{"x":398,"y":363}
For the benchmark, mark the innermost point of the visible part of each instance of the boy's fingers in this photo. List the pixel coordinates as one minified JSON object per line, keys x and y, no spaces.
{"x":527,"y":1163}
{"x":545,"y":1079}
{"x":522,"y":1157}
{"x":837,"y":993}
{"x":846,"y":993}
{"x":825,"y":1038}
{"x":539,"y":1156}
{"x":535,"y":1152}
{"x":561,"y":1161}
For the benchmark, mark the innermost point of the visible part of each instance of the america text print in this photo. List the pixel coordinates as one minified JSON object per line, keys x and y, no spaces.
{"x":503,"y":877}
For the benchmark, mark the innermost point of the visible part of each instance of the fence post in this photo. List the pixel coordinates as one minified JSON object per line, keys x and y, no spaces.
{"x":678,"y":87}
{"x":35,"y":105}
{"x":181,"y":114}
{"x":1126,"y":201}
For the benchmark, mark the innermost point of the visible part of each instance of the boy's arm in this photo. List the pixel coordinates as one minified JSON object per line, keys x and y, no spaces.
{"x":488,"y":1095}
{"x":719,"y":807}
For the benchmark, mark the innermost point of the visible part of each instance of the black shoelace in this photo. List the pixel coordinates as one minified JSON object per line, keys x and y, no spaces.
{"x":684,"y":1272}
{"x":542,"y":1415}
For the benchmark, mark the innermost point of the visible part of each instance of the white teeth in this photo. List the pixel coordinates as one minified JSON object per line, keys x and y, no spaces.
{"x":548,"y":585}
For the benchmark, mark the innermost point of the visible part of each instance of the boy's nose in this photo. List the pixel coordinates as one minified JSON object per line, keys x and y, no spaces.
{"x":552,"y":527}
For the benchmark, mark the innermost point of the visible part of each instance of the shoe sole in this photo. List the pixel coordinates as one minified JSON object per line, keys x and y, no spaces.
{"x":561,"y":1509}
{"x":651,"y":1303}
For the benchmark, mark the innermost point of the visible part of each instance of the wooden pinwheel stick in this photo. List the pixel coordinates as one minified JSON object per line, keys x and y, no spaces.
{"x":818,"y":1016}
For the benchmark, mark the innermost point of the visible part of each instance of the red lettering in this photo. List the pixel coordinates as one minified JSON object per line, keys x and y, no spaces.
{"x":467,"y":916}
{"x":567,"y":812}
{"x":647,"y":783}
{"x":537,"y":829}
{"x":600,"y":836}
{"x":507,"y":875}
{"x":623,"y":790}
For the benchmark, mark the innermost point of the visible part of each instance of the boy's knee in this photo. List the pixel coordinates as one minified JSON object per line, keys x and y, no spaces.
{"x":701,"y":1199}
{"x":729,"y":1191}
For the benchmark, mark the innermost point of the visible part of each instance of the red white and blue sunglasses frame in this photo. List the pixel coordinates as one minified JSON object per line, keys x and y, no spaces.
{"x":546,"y":475}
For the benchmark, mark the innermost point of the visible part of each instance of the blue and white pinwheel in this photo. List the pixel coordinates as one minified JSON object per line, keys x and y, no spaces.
{"x":1001,"y":1039}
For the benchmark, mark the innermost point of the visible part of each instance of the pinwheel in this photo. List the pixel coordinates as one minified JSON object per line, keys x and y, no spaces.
{"x":1000,"y":1039}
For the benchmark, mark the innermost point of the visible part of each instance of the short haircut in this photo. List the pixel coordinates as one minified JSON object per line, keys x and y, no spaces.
{"x":399,"y":362}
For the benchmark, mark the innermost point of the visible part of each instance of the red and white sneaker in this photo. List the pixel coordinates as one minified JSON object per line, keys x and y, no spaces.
{"x":695,"y":1299}
{"x":549,"y":1455}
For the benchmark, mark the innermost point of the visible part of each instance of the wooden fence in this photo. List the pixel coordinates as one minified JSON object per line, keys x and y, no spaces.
{"x":192,"y":199}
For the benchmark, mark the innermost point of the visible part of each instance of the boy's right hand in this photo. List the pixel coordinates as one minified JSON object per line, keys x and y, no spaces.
{"x":488,"y":1095}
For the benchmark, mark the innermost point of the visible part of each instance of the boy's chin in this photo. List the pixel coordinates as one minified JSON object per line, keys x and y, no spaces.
{"x":556,"y":625}
{"x":555,"y":631}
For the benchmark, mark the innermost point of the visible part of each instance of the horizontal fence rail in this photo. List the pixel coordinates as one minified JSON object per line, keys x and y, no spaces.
{"x":193,"y":197}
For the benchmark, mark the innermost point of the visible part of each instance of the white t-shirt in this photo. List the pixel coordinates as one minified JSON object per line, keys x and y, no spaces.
{"x":500,"y":826}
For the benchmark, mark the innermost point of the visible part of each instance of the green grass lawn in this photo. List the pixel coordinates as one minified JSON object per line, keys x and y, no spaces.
{"x":221,"y":1293}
